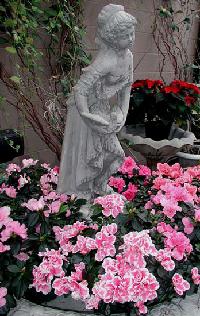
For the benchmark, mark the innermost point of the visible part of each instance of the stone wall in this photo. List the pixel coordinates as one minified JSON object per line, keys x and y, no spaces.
{"x":146,"y":63}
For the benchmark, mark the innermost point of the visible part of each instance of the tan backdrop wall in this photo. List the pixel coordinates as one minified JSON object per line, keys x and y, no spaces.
{"x":146,"y":63}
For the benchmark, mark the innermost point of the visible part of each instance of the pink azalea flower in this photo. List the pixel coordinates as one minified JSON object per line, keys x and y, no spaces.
{"x":180,"y":285}
{"x":128,"y":165}
{"x":113,"y":204}
{"x":188,"y":226}
{"x":117,"y":183}
{"x":29,"y":162}
{"x":165,"y":259}
{"x":131,"y":192}
{"x":142,"y":308}
{"x":56,"y":169}
{"x":22,"y":256}
{"x":16,"y":228}
{"x":195,"y":276}
{"x":11,"y":192}
{"x":22,"y":181}
{"x":3,"y":247}
{"x":144,"y":171}
{"x":12,"y":167}
{"x":4,"y":215}
{"x":197,"y":215}
{"x":3,"y":293}
{"x":35,"y":205}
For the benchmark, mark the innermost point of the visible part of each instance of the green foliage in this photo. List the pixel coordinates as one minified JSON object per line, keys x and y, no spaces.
{"x":43,"y":40}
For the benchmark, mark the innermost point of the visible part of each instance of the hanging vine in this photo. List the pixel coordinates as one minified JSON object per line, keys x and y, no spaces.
{"x":43,"y":39}
{"x":172,"y":27}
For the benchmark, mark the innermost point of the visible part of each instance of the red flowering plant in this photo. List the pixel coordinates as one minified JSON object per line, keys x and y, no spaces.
{"x":153,"y":102}
{"x":140,"y":246}
{"x":182,"y":99}
{"x":144,"y":99}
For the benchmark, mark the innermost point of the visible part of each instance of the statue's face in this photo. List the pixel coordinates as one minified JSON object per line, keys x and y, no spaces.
{"x":126,"y":39}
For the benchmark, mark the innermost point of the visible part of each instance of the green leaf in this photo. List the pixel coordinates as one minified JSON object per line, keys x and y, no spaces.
{"x":10,"y":301}
{"x":3,"y":40}
{"x":11,"y":50}
{"x":13,"y":268}
{"x":21,"y":288}
{"x":33,"y":219}
{"x":44,"y":228}
{"x":80,"y":202}
{"x":63,"y":208}
{"x":15,"y":79}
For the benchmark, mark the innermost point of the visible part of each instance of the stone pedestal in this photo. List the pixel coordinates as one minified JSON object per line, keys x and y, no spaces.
{"x":190,"y":306}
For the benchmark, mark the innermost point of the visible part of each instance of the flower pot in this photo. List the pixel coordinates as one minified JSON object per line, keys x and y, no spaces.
{"x":187,"y":159}
{"x":157,"y":130}
{"x":11,"y":145}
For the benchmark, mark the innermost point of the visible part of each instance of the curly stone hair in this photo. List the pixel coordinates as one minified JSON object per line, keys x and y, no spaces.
{"x":113,"y":21}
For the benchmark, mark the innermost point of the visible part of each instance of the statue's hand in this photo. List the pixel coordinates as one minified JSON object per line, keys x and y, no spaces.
{"x":94,"y":119}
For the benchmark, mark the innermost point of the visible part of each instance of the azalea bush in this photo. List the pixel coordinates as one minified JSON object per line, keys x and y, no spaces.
{"x":151,"y":100}
{"x":139,"y":247}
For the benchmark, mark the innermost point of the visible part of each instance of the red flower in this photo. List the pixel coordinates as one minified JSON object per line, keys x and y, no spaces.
{"x":150,"y":83}
{"x":189,"y":100}
{"x":138,"y":84}
{"x":169,"y":89}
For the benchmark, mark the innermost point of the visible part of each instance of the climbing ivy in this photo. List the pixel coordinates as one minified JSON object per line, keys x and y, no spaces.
{"x":43,"y":40}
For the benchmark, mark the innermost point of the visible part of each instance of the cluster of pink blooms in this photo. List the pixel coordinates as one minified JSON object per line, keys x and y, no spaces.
{"x":49,"y":203}
{"x":3,"y":293}
{"x":50,"y":274}
{"x":103,"y":241}
{"x":195,"y":276}
{"x":180,"y":285}
{"x":175,"y":242}
{"x":113,"y":204}
{"x":126,"y":279}
{"x":9,"y":227}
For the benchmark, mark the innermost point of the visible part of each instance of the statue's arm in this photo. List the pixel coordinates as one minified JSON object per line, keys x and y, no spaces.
{"x":96,"y":71}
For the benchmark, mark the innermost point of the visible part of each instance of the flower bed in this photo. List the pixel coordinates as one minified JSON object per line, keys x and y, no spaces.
{"x":141,"y":246}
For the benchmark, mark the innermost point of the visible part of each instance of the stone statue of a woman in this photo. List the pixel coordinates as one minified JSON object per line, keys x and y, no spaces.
{"x":91,"y":151}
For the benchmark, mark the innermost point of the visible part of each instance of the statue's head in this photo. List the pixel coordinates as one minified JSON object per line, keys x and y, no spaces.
{"x":116,"y":27}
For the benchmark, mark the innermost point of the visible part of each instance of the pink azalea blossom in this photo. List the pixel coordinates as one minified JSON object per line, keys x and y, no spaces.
{"x":195,"y":276}
{"x":188,"y":226}
{"x":131,"y":192}
{"x":3,"y":248}
{"x":170,"y":206}
{"x":3,"y":293}
{"x":141,"y":307}
{"x":113,"y":204}
{"x":15,"y":228}
{"x":180,"y":285}
{"x":128,"y":165}
{"x":4,"y":215}
{"x":12,"y":167}
{"x":11,"y":192}
{"x":105,"y":243}
{"x":29,"y":162}
{"x":22,"y":256}
{"x":144,"y":171}
{"x":197,"y":214}
{"x":117,"y":183}
{"x":84,"y":245}
{"x":22,"y":181}
{"x":165,"y":259}
{"x":35,"y":205}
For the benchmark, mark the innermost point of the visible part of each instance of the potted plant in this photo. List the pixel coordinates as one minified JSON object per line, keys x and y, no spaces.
{"x":158,"y":106}
{"x":189,"y":155}
{"x":144,"y":108}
